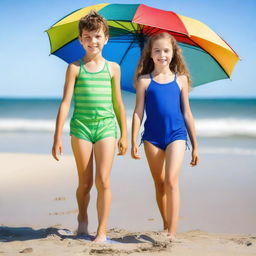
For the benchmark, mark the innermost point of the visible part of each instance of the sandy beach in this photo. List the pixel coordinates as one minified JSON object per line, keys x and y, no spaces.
{"x":38,"y":208}
{"x":49,"y":242}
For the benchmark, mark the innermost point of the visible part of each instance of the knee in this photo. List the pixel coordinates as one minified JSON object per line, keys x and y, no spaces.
{"x":172,"y":183}
{"x":160,"y":186}
{"x":102,"y":183}
{"x":84,"y":188}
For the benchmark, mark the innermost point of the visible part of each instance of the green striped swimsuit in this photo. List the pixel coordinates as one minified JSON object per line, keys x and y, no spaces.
{"x":93,"y":118}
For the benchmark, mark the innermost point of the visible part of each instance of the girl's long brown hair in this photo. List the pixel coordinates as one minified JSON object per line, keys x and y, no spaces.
{"x":177,"y":65}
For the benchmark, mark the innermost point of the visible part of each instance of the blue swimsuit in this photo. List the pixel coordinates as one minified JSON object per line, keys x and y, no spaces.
{"x":165,"y":122}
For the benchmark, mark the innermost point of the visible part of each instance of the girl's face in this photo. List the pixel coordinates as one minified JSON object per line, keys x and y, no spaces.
{"x":93,"y":41}
{"x":162,"y":52}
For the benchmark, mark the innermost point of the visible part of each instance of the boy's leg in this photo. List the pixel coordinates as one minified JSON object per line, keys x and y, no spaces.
{"x":83,"y":153}
{"x":104,"y":151}
{"x":156,"y":162}
{"x":174,"y":159}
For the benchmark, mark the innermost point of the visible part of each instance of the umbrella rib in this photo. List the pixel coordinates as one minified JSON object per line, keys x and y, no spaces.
{"x":152,"y":29}
{"x":134,"y":27}
{"x":120,"y":24}
{"x":138,"y":33}
{"x":141,"y":27}
{"x":129,"y":47}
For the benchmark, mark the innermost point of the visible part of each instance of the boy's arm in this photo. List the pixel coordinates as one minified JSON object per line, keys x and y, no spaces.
{"x":119,"y":107}
{"x":70,"y":79}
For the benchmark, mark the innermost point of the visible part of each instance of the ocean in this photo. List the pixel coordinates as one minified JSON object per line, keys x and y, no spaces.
{"x":226,"y":125}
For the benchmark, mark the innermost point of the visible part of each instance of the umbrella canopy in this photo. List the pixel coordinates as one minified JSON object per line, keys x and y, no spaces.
{"x":208,"y":56}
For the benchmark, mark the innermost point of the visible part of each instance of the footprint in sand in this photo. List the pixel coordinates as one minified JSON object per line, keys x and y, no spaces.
{"x":27,"y":250}
{"x":60,"y":198}
{"x":64,"y":213}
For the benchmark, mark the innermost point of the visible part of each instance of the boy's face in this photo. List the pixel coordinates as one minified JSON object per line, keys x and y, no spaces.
{"x":93,"y":41}
{"x":162,"y":52}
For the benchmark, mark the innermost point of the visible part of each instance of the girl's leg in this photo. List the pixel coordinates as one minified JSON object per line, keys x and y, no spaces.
{"x":156,"y":162}
{"x":82,"y":150}
{"x":174,"y":159}
{"x":104,"y":151}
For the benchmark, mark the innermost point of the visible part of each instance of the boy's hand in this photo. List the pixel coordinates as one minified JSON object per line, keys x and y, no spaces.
{"x":122,"y":146}
{"x":134,"y":152}
{"x":57,"y":149}
{"x":195,"y":158}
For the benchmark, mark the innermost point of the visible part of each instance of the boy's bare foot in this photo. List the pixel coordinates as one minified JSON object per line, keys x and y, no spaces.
{"x":82,"y":228}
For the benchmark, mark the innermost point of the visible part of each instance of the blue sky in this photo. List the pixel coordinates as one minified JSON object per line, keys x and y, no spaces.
{"x":27,"y":70}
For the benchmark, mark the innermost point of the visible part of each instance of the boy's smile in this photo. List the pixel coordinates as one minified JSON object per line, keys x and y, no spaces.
{"x":93,"y":41}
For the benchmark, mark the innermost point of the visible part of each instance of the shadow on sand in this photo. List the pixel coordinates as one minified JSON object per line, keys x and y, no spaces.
{"x":10,"y":234}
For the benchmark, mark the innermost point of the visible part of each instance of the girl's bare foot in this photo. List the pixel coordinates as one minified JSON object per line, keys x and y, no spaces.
{"x":100,"y":239}
{"x":165,"y":226}
{"x":172,"y":238}
{"x":165,"y":230}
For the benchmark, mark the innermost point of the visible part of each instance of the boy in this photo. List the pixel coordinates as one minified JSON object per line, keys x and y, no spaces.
{"x":95,"y":83}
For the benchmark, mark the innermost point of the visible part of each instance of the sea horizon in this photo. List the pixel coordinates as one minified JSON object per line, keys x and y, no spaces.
{"x":191,"y":98}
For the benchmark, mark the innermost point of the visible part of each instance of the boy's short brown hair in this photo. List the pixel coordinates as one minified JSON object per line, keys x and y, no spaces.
{"x":93,"y":22}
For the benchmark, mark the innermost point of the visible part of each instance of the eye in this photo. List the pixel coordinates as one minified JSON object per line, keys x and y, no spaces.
{"x":98,"y":36}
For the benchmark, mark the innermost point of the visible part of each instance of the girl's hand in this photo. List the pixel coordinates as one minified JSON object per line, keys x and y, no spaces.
{"x":122,"y":146}
{"x":134,"y":152}
{"x":57,"y":149}
{"x":195,"y":158}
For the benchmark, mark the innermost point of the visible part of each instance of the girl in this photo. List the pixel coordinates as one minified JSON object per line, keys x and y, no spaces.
{"x":162,"y":84}
{"x":97,"y":95}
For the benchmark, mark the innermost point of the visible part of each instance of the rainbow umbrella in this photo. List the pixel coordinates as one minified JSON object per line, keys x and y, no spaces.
{"x":208,"y":56}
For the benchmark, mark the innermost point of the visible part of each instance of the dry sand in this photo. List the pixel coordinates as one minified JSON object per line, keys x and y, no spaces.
{"x":195,"y":243}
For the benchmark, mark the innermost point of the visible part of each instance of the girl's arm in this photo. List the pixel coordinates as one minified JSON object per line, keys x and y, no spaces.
{"x":138,"y":115}
{"x":189,"y":120}
{"x":71,"y":75}
{"x":119,"y":107}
